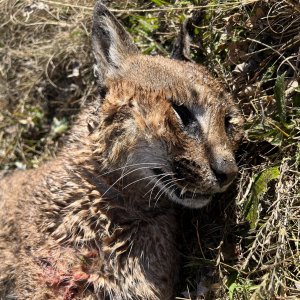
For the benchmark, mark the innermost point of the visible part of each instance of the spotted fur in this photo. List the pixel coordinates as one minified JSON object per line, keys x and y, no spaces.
{"x":98,"y":221}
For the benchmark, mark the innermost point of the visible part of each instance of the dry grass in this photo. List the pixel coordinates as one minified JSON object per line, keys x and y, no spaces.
{"x":45,"y":74}
{"x":244,"y":246}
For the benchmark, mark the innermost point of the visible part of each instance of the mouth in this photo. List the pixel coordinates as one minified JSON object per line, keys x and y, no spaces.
{"x":182,"y":195}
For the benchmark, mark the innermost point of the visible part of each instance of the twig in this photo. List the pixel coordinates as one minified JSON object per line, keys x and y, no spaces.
{"x":270,"y":47}
{"x":278,"y":128}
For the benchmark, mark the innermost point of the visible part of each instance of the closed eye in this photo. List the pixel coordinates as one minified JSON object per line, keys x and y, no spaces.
{"x":183,"y":113}
{"x":188,"y":120}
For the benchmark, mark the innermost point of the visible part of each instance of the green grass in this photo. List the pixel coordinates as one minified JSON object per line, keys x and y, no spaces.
{"x":246,"y":244}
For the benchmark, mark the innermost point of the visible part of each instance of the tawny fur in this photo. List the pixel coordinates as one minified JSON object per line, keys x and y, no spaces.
{"x":97,"y":222}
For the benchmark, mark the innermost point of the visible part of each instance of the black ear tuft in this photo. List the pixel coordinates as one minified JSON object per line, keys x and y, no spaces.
{"x":181,"y":48}
{"x":111,"y":43}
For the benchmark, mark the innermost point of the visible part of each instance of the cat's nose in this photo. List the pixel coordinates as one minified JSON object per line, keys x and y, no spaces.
{"x":225,"y":171}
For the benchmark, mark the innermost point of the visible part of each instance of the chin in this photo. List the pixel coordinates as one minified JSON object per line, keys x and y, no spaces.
{"x":186,"y":198}
{"x":198,"y":201}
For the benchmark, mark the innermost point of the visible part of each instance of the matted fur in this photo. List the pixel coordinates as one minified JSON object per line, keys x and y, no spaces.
{"x":98,"y":222}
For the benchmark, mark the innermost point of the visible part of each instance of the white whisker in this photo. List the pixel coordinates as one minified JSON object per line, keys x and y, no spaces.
{"x":122,"y":176}
{"x":127,"y":166}
{"x":165,"y":188}
{"x":163,"y":176}
{"x":155,"y":175}
{"x":166,"y":183}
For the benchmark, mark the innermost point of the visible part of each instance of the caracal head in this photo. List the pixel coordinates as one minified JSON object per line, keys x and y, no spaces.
{"x":169,"y":119}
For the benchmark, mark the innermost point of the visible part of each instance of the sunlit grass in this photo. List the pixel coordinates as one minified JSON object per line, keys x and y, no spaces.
{"x":246,"y":244}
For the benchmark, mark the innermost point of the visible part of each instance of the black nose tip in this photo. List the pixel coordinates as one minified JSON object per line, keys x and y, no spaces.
{"x":226,"y":175}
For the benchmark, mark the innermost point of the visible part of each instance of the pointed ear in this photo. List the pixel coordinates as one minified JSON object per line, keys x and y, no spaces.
{"x":111,"y":43}
{"x":181,"y":48}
